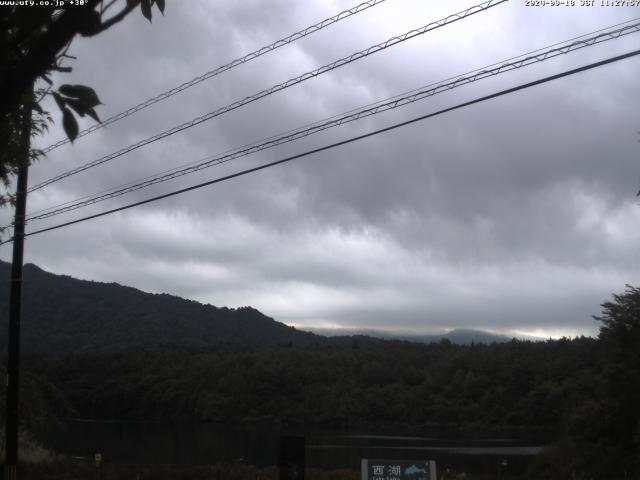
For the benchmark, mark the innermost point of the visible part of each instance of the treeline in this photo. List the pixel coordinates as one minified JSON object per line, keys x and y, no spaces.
{"x":511,"y":384}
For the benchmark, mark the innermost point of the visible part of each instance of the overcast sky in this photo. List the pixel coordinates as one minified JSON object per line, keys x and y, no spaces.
{"x":515,"y":215}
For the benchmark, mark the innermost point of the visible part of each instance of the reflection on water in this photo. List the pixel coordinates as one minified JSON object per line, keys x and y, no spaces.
{"x":258,"y":444}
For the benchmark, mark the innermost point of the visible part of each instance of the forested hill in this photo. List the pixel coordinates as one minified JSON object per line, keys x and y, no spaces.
{"x":62,"y":313}
{"x":459,"y":336}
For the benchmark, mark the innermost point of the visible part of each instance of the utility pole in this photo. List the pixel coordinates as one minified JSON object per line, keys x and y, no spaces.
{"x":15,"y":300}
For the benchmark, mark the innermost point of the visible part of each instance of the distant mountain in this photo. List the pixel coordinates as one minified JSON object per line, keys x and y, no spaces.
{"x":64,"y":314}
{"x":457,"y":336}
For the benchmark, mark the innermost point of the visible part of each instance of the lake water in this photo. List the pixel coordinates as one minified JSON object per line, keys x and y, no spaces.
{"x":258,"y":444}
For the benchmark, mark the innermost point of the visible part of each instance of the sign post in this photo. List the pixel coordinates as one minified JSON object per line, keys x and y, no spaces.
{"x":398,"y":469}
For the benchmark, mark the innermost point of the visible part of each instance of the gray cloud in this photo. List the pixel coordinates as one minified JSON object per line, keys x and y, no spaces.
{"x":514,"y":215}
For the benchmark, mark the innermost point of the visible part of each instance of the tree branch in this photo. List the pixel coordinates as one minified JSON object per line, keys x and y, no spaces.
{"x":43,"y":52}
{"x":117,"y":18}
{"x":108,"y":6}
{"x":42,"y":55}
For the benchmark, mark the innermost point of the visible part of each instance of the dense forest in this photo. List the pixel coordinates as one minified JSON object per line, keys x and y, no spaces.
{"x":568,"y":387}
{"x":511,"y":384}
{"x":585,"y":391}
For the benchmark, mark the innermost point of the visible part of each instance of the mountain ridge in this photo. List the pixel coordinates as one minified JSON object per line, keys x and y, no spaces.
{"x":460,"y":336}
{"x":65,"y":314}
{"x":62,"y":313}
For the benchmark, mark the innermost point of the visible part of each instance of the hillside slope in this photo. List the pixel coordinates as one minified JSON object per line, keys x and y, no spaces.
{"x":63,"y":314}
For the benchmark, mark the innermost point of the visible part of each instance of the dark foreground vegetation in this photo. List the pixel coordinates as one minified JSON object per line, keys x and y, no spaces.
{"x":64,"y":469}
{"x":587,"y":390}
{"x":67,"y":470}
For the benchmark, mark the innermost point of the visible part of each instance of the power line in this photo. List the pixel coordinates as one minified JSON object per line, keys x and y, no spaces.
{"x":627,"y":28}
{"x":385,"y":105}
{"x":335,"y":116}
{"x":221,"y":69}
{"x":294,"y":81}
{"x":343,"y":142}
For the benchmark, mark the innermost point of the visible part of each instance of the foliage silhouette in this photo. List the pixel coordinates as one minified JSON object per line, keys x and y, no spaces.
{"x":601,"y":436}
{"x":34,"y":43}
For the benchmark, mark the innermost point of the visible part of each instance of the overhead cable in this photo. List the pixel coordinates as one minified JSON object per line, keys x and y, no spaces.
{"x":343,"y":142}
{"x":221,"y":69}
{"x":626,"y":24}
{"x":389,"y":104}
{"x":276,"y":88}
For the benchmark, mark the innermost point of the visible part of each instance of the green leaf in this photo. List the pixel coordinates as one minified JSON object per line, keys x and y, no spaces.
{"x":82,"y":109}
{"x":160,"y":4}
{"x":77,"y":106}
{"x":86,"y":95}
{"x":92,"y":113}
{"x":145,"y":6}
{"x":69,"y":124}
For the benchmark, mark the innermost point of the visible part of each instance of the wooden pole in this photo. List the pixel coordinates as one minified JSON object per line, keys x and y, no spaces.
{"x":15,"y":304}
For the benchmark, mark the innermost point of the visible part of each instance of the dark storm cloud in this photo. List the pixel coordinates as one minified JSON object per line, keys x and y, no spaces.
{"x":514,"y":215}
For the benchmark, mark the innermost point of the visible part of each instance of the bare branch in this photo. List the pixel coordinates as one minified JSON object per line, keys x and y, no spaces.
{"x":108,"y":6}
{"x":117,"y":18}
{"x":63,"y":53}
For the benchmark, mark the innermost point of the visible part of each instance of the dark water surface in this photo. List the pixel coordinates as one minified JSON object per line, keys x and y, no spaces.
{"x":258,"y":444}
